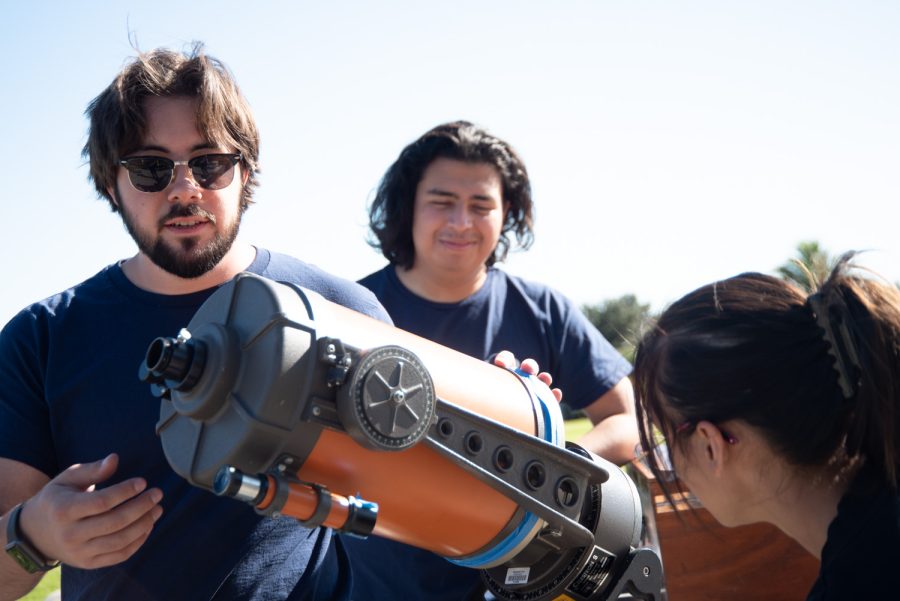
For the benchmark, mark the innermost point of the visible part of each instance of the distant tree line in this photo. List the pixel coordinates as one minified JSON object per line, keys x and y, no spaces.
{"x":622,"y":320}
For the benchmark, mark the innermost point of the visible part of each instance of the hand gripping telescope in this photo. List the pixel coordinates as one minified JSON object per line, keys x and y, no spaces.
{"x":279,"y":398}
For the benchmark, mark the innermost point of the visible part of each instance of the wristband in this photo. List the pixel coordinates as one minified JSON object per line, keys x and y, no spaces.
{"x":20,"y":549}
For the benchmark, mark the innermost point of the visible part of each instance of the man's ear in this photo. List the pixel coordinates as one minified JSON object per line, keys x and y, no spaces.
{"x":713,"y":446}
{"x":112,"y":194}
{"x":245,"y":176}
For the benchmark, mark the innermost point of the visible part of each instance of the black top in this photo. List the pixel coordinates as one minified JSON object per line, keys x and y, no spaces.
{"x":861,"y":558}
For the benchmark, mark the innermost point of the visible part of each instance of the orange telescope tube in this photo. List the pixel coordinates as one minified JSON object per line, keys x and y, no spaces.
{"x":303,"y":407}
{"x":453,"y":513}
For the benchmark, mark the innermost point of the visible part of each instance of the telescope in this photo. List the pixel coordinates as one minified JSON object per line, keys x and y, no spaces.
{"x":279,"y":398}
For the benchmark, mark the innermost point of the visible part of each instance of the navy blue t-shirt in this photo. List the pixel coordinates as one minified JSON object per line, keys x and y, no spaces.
{"x":69,"y":393}
{"x":861,"y":556}
{"x":506,"y":313}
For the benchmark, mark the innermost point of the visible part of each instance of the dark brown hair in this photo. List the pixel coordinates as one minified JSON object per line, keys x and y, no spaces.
{"x":751,"y":348}
{"x":391,"y":212}
{"x":118,"y":123}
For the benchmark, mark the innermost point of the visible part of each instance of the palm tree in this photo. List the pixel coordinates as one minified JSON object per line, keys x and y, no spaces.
{"x":809,"y":268}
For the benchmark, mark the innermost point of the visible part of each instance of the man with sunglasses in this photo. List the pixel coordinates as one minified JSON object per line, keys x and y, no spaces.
{"x":173,"y":148}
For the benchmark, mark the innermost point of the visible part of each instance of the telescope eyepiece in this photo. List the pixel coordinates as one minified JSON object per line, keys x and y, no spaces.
{"x":160,"y":355}
{"x":231,"y":482}
{"x":175,"y":363}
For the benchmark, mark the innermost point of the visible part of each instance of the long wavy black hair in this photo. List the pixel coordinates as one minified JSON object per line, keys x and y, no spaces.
{"x":391,"y":212}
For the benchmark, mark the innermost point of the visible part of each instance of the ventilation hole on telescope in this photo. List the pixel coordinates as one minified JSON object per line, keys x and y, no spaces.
{"x":445,"y":428}
{"x":567,"y":492}
{"x":474,"y":443}
{"x":535,"y":475}
{"x":503,"y":459}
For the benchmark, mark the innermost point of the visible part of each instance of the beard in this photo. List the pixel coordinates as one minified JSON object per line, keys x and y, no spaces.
{"x":186,"y":258}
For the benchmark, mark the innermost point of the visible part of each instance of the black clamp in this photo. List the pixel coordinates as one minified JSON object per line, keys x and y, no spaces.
{"x":333,"y":353}
{"x":323,"y":507}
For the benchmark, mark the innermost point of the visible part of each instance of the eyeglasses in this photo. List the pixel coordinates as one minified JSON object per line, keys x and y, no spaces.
{"x":660,"y":452}
{"x":154,"y":174}
{"x":661,"y":459}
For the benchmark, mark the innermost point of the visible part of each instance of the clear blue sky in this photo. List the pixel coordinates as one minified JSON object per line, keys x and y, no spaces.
{"x":669,"y":143}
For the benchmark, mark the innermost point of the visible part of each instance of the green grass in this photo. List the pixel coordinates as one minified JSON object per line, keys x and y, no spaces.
{"x":48,"y":584}
{"x":575,"y":429}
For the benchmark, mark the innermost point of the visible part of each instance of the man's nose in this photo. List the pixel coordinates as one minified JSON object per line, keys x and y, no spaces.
{"x":459,"y":216}
{"x":184,"y":187}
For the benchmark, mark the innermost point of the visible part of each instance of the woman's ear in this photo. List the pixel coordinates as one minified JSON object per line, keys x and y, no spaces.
{"x":713,"y":446}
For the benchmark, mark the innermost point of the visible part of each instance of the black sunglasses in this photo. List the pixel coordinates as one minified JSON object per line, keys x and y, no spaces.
{"x":154,"y":174}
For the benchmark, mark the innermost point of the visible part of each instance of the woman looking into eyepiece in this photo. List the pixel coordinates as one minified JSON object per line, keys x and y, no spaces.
{"x":784,"y":408}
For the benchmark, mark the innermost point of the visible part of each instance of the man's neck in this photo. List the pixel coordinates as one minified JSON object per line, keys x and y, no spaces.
{"x":442,"y":287}
{"x":145,"y":274}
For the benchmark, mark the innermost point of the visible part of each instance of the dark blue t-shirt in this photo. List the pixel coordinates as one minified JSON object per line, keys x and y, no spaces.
{"x":69,"y":393}
{"x":506,"y":313}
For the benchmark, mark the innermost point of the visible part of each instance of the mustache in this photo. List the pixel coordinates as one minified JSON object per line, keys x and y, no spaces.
{"x":187,"y":211}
